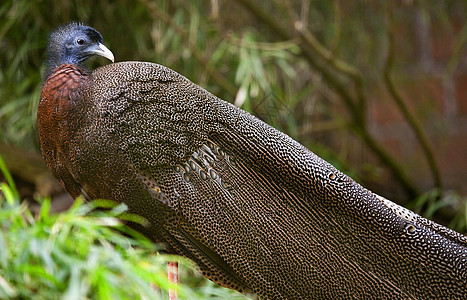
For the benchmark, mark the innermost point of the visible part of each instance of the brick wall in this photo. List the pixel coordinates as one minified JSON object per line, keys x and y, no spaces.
{"x":436,"y":95}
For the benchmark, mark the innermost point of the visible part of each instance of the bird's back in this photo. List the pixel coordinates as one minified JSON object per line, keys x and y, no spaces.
{"x":255,"y":209}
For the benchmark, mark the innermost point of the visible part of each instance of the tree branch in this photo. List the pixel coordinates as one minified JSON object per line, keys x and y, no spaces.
{"x":401,"y":103}
{"x":356,"y":105}
{"x":30,"y":167}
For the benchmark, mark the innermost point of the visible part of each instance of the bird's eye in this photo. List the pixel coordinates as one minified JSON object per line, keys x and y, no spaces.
{"x":80,"y":41}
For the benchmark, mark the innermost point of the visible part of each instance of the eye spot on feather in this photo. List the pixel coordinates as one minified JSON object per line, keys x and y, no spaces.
{"x":410,"y":229}
{"x":226,"y":185}
{"x":213,"y":174}
{"x":332,"y":176}
{"x":208,"y":159}
{"x":203,"y":175}
{"x":154,"y":187}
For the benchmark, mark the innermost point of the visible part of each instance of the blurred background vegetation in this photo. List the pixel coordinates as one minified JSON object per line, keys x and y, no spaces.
{"x":377,"y":88}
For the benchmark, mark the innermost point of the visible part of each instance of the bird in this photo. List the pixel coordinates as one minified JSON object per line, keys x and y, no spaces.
{"x":255,"y":210}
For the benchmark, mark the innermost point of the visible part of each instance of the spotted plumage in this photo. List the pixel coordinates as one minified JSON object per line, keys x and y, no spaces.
{"x":257,"y":211}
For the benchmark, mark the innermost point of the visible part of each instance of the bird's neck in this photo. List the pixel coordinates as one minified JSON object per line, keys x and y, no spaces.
{"x":60,"y":111}
{"x":61,"y":91}
{"x":61,"y":62}
{"x":68,"y":76}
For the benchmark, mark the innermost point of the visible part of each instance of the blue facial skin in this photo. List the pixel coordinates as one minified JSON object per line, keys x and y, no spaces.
{"x":73,"y":44}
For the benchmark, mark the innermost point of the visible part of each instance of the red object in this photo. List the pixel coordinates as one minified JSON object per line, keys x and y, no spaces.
{"x":172,"y":272}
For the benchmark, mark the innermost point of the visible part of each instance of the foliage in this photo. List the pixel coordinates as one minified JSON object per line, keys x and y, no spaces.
{"x":84,"y":254}
{"x":434,"y":201}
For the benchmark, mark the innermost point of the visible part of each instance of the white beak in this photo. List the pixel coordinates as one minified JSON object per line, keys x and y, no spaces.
{"x":104,"y":52}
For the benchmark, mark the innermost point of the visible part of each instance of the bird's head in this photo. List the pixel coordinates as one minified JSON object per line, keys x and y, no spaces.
{"x":73,"y":44}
